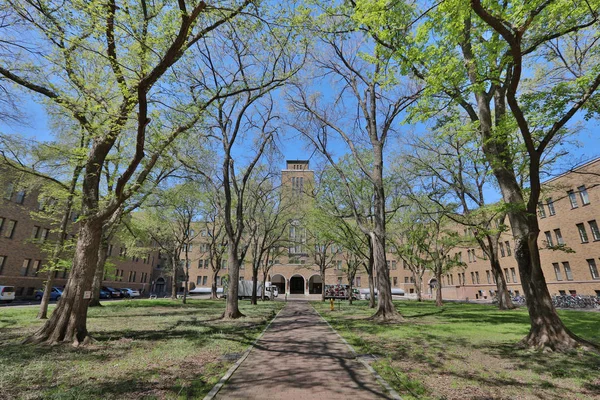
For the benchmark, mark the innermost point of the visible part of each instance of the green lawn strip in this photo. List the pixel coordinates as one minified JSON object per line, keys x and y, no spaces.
{"x":469,"y":351}
{"x":144,"y":348}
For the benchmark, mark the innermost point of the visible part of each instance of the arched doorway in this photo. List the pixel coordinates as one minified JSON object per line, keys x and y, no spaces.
{"x":315,"y":284}
{"x":297,"y":284}
{"x":432,"y":285}
{"x":279,"y":281}
{"x":160,"y":286}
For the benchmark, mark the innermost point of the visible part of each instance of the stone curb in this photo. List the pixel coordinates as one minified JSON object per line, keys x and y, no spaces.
{"x":213,"y":392}
{"x":378,"y":377}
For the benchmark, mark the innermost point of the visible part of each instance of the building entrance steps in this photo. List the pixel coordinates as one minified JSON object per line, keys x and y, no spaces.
{"x":301,"y":357}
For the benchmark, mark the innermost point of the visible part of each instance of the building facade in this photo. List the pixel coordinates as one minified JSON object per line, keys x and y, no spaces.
{"x":22,"y":237}
{"x":569,"y":242}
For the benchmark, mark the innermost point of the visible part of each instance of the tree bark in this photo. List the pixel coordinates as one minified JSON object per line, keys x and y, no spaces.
{"x":213,"y":286}
{"x":438,"y":289}
{"x":504,"y":300}
{"x":254,"y":299}
{"x":232,"y":310}
{"x":68,"y":323}
{"x":418,"y":283}
{"x":175,"y":265}
{"x":322,"y":274}
{"x":371,"y":282}
{"x":99,"y":274}
{"x":385,"y":307}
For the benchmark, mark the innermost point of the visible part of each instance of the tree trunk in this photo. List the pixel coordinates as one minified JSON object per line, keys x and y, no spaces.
{"x":438,"y":289}
{"x":547,"y":329}
{"x":99,"y":274}
{"x":43,"y":313}
{"x":68,"y":323}
{"x":213,"y":286}
{"x":350,"y":294}
{"x":254,"y":299}
{"x":322,"y":273}
{"x":385,"y":307}
{"x":262,"y":292}
{"x":504,"y":300}
{"x":232,"y":310}
{"x":418,"y":283}
{"x":175,"y":264}
{"x":371,"y":287}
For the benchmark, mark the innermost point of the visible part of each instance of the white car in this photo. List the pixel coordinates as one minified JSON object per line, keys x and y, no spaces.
{"x":129,"y":293}
{"x":7,"y":293}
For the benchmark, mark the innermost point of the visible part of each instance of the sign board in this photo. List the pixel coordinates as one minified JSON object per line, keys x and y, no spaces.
{"x":87,"y":294}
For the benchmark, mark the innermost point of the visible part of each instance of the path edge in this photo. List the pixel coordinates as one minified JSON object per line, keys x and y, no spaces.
{"x":215,"y":389}
{"x":376,"y":375}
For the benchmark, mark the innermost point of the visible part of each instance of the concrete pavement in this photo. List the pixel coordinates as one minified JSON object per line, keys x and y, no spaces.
{"x":301,"y":357}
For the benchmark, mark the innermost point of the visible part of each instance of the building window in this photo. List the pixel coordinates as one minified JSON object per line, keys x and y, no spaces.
{"x":35,"y":233}
{"x":25,"y":267}
{"x":541,"y":211}
{"x":10,"y":229}
{"x":198,"y":280}
{"x":559,"y":238}
{"x":572,"y":199}
{"x":594,"y":229}
{"x":593,"y":268}
{"x":568,"y":272}
{"x":507,"y":276}
{"x":36,"y":267}
{"x":585,"y":199}
{"x":110,"y":249}
{"x":508,"y":251}
{"x":2,"y":262}
{"x":338,"y":264}
{"x":489,"y":280}
{"x":8,"y":190}
{"x":551,"y":209}
{"x":20,"y":199}
{"x":502,"y":249}
{"x":514,"y":275}
{"x":549,"y":242}
{"x":358,"y":281}
{"x":44,"y":234}
{"x":134,"y":274}
{"x":394,"y":265}
{"x":557,"y":272}
{"x":395,"y":281}
{"x":582,"y":233}
{"x":339,"y":280}
{"x":204,"y":280}
{"x":472,"y":277}
{"x":206,"y":263}
{"x":477,"y":276}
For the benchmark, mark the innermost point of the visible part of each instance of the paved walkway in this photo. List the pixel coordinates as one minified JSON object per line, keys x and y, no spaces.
{"x":300,"y":357}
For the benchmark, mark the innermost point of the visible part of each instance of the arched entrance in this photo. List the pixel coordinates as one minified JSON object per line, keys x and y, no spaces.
{"x":432,"y":285}
{"x":297,"y":284}
{"x":160,"y":286}
{"x":279,"y":281}
{"x":315,"y":284}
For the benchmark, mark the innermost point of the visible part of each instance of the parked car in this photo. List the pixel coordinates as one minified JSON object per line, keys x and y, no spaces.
{"x":7,"y":293}
{"x":129,"y":293}
{"x":104,"y":294}
{"x":55,"y":294}
{"x":114,"y":293}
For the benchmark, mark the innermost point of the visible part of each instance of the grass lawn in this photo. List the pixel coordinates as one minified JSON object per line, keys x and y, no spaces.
{"x":468,"y":351}
{"x":151,"y":349}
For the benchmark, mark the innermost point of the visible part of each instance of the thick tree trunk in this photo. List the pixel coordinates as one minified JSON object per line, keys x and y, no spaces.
{"x":438,"y":289}
{"x":547,"y":329}
{"x":213,"y":286}
{"x":385,"y":307}
{"x":232,"y":310}
{"x":254,"y":299}
{"x":99,"y":274}
{"x":68,"y":323}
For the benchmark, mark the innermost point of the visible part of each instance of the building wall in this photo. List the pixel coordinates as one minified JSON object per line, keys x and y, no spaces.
{"x":475,"y":284}
{"x":23,"y":246}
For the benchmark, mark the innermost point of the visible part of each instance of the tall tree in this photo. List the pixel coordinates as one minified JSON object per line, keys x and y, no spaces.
{"x":481,"y":58}
{"x":368,"y":95}
{"x":103,"y":64}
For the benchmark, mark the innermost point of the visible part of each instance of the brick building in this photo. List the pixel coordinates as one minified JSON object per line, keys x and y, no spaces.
{"x":569,"y":215}
{"x":21,"y":237}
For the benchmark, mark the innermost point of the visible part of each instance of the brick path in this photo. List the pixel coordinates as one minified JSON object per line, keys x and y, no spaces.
{"x":300,"y":357}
